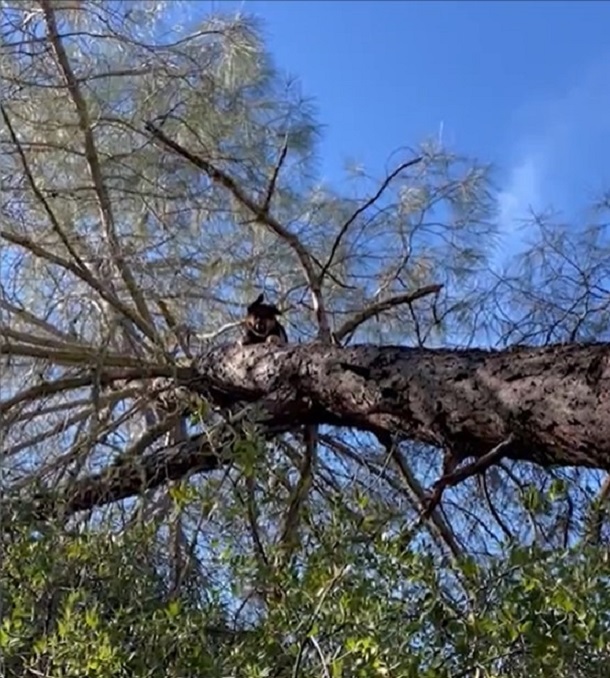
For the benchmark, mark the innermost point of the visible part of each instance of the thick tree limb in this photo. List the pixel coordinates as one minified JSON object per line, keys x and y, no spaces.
{"x":551,"y":403}
{"x":133,"y":476}
{"x":555,"y":401}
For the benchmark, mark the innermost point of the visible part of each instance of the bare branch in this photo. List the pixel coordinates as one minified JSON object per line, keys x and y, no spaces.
{"x":380,"y":306}
{"x":467,"y":471}
{"x":101,"y":400}
{"x":221,"y":330}
{"x":369,"y":203}
{"x":48,"y":433}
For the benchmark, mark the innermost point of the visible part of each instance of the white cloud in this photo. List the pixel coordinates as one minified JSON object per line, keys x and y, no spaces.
{"x":560,"y":155}
{"x":523,"y":192}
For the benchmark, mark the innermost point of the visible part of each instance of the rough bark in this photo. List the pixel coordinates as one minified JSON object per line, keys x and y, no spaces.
{"x":554,"y":402}
{"x":549,"y":406}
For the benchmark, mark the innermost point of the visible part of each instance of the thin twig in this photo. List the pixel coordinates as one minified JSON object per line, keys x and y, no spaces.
{"x":172,"y":323}
{"x":369,"y":203}
{"x":597,"y":512}
{"x":313,"y":640}
{"x":276,"y":172}
{"x":495,"y":513}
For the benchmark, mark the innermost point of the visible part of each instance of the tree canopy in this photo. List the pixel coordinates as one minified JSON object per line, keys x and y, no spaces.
{"x":414,"y":485}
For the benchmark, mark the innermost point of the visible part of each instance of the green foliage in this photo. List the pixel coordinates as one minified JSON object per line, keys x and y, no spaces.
{"x":97,"y":604}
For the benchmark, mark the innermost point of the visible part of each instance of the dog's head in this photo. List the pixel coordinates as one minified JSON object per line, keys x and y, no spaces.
{"x":261,"y":318}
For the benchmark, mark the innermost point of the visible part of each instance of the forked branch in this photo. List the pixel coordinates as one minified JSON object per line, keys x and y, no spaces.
{"x":262,"y":215}
{"x":480,"y":465}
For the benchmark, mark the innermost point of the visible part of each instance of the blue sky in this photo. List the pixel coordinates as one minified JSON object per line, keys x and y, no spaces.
{"x":523,"y":85}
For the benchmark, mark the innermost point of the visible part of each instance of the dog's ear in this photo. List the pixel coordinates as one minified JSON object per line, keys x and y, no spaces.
{"x":257,"y":302}
{"x":275,"y":310}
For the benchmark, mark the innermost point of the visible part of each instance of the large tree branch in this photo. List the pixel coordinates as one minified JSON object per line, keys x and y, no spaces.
{"x":552,"y":403}
{"x":134,"y":475}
